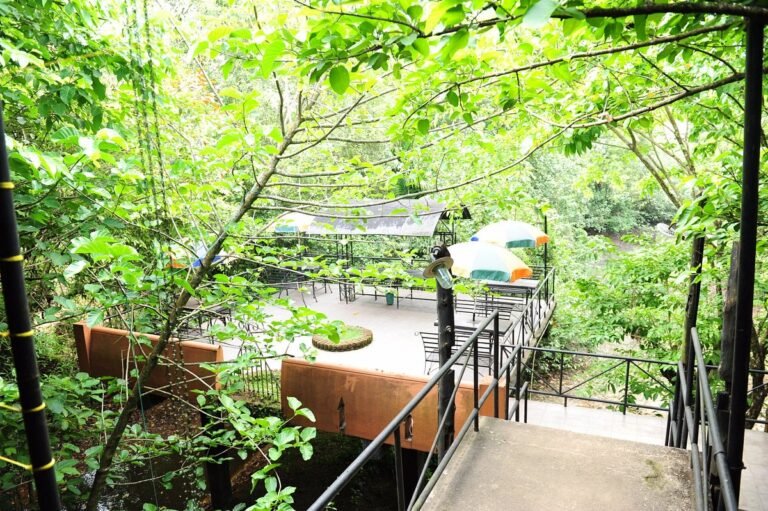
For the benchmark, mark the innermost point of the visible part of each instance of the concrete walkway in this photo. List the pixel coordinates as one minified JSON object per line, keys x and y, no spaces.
{"x":650,"y":429}
{"x":526,"y":467}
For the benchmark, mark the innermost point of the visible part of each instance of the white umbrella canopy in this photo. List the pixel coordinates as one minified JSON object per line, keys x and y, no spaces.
{"x":511,"y":234}
{"x":478,"y":260}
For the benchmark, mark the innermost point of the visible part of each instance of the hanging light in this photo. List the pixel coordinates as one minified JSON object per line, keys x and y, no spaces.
{"x":439,"y":267}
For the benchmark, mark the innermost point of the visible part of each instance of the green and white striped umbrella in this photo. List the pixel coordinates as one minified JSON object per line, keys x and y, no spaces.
{"x":511,"y":234}
{"x":483,"y":261}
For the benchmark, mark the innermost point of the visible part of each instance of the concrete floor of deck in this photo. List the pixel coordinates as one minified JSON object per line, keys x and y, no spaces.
{"x":396,"y":346}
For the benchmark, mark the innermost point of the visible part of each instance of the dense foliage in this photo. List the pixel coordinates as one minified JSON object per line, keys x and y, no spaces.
{"x":140,"y":138}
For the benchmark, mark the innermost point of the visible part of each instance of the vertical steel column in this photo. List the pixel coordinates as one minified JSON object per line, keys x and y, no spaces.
{"x":22,"y":342}
{"x":545,"y":248}
{"x":496,"y":365}
{"x":748,"y":240}
{"x":691,"y":317}
{"x":446,"y":340}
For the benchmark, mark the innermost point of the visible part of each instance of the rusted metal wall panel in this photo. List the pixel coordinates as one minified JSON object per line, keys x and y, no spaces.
{"x":371,"y":400}
{"x":103,"y":351}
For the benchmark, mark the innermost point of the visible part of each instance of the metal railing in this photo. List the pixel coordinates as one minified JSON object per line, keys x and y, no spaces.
{"x":427,"y":481}
{"x":615,"y":362}
{"x":700,"y":421}
{"x":523,"y":330}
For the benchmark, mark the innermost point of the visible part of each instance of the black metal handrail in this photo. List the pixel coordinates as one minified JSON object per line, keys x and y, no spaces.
{"x":701,"y":421}
{"x":560,"y":391}
{"x":626,"y":361}
{"x":394,"y":426}
{"x":532,"y":313}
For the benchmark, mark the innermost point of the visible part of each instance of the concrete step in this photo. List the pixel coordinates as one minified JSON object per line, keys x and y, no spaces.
{"x":509,"y":465}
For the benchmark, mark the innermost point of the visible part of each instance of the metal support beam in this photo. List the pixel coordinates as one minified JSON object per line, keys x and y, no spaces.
{"x":748,"y":241}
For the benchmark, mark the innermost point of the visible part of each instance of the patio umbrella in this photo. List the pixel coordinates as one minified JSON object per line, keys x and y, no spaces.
{"x":292,"y":222}
{"x":201,"y":249}
{"x":484,"y":261}
{"x":511,"y":234}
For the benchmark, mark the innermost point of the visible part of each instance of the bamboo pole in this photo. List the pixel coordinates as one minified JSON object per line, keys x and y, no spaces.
{"x":21,"y":336}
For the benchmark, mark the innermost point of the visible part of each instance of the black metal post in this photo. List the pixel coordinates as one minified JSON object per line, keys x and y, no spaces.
{"x":446,"y":340}
{"x":518,"y":382}
{"x":399,"y":475}
{"x":217,"y":474}
{"x":22,"y":342}
{"x":496,"y":365}
{"x":691,"y":317}
{"x":626,"y":388}
{"x":748,"y":241}
{"x":545,"y":248}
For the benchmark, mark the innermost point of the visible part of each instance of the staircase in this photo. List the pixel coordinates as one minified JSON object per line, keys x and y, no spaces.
{"x":508,"y":465}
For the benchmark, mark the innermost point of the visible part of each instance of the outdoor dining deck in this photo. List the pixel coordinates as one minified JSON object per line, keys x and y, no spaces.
{"x":397,"y":347}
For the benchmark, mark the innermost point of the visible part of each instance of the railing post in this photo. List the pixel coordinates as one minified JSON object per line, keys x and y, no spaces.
{"x":626,"y":386}
{"x":518,"y":377}
{"x":507,"y":392}
{"x":399,"y":476}
{"x":496,"y":364}
{"x":476,"y":381}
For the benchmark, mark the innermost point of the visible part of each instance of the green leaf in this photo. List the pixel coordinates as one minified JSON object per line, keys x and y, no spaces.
{"x":74,"y":268}
{"x":457,"y":41}
{"x":640,"y":27}
{"x":95,"y":318}
{"x":436,"y":15}
{"x":539,"y":13}
{"x":339,"y":78}
{"x":306,"y":451}
{"x":421,"y":46}
{"x":293,"y":403}
{"x":423,"y":126}
{"x":271,"y":53}
{"x":217,"y":33}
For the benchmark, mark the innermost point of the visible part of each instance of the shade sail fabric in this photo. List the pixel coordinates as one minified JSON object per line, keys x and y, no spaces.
{"x":511,"y":234}
{"x":292,"y":222}
{"x":405,"y":217}
{"x":484,"y":261}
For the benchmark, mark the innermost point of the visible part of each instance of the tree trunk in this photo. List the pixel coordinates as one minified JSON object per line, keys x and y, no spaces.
{"x":105,"y":463}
